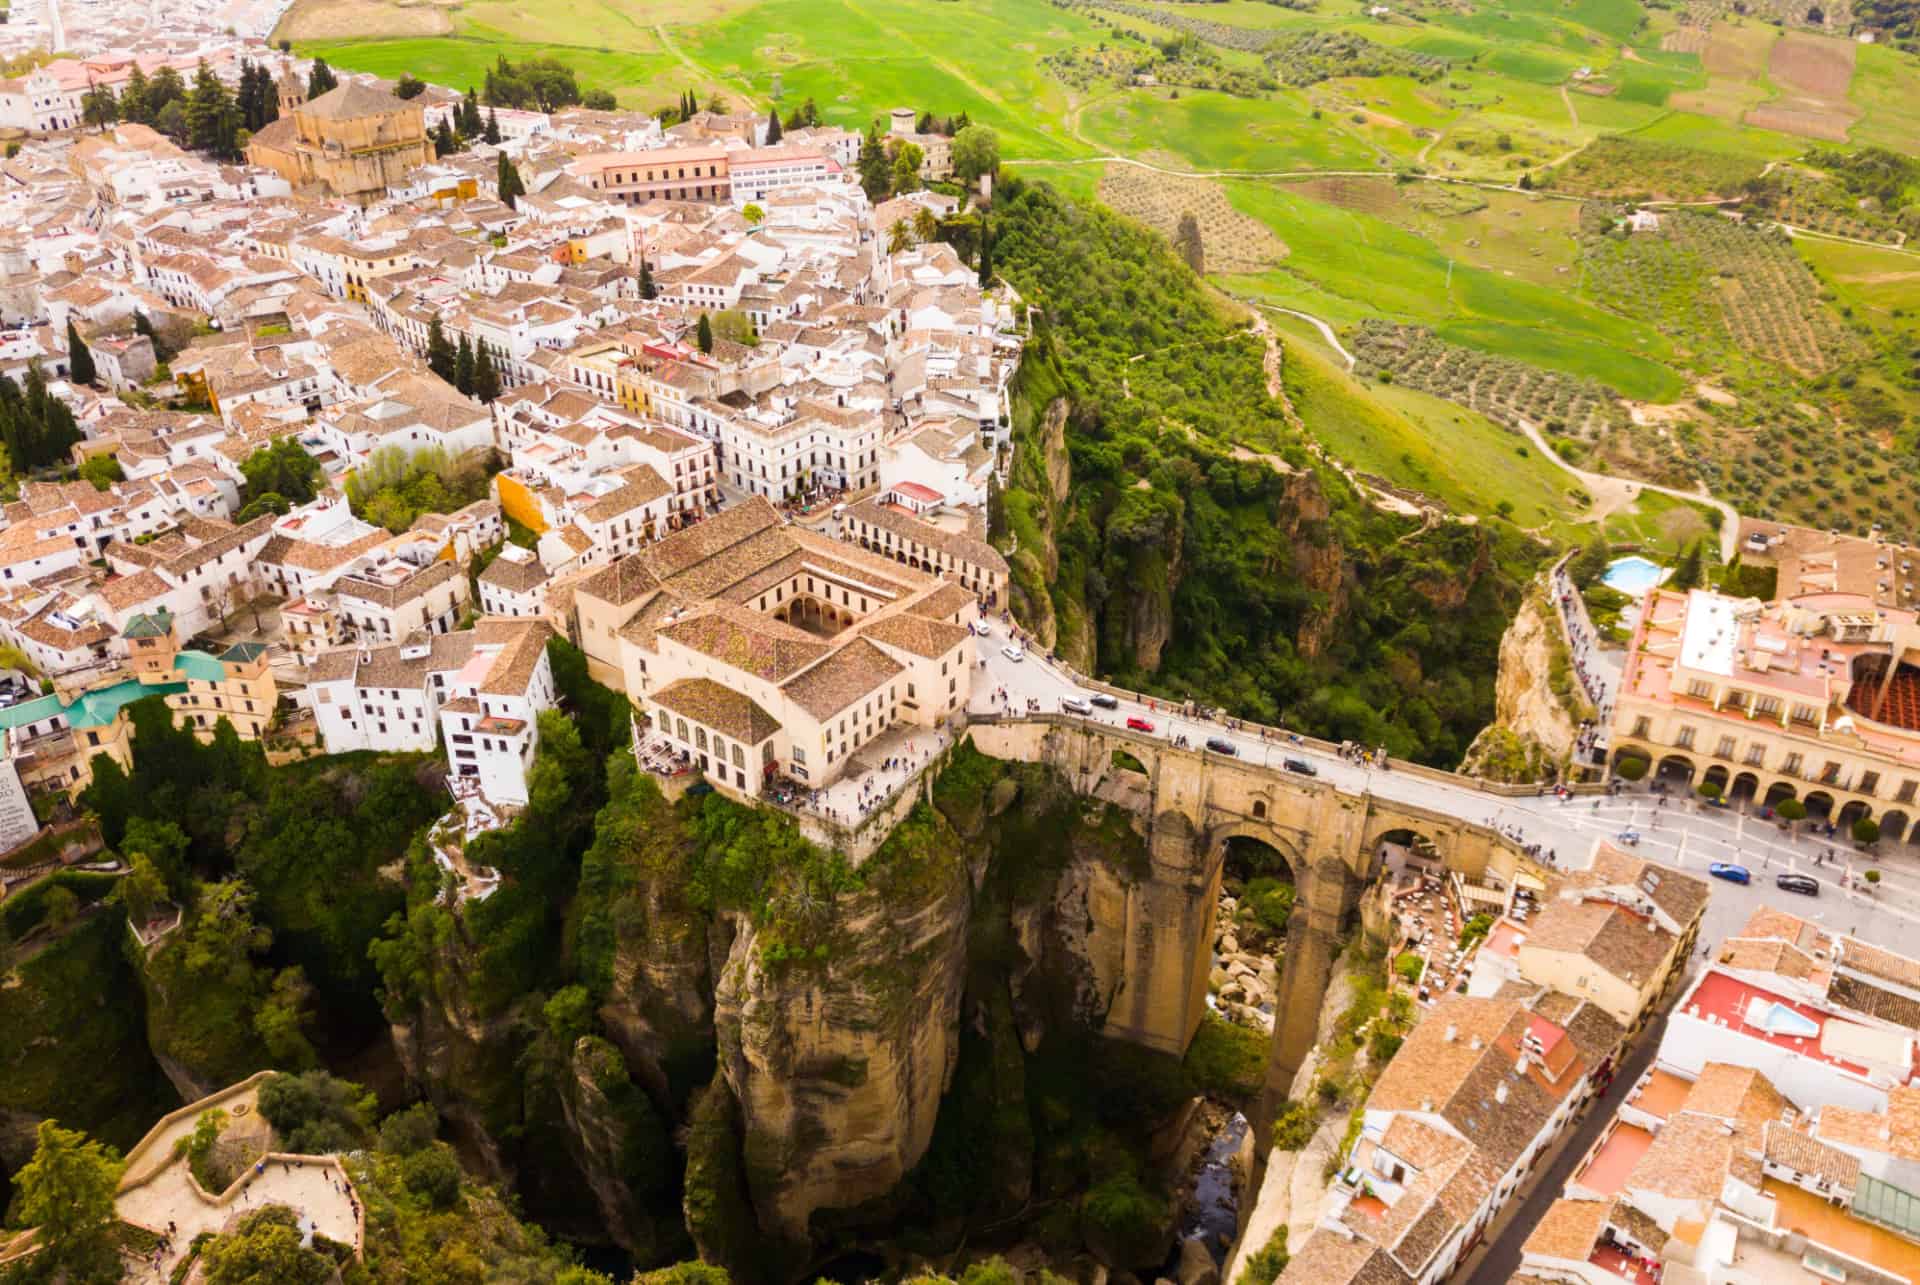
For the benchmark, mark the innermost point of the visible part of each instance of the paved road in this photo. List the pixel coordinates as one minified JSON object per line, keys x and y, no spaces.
{"x":1499,"y":1259}
{"x":1676,"y":832}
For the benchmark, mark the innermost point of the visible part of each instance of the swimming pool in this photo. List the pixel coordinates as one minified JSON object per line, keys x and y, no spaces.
{"x":1633,"y":575}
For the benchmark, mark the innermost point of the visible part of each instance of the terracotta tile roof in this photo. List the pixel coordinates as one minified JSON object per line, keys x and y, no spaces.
{"x":1569,"y":1229}
{"x":415,"y":586}
{"x":1627,"y":945}
{"x":955,"y":545}
{"x":1861,"y":957}
{"x":513,"y":576}
{"x":621,"y":581}
{"x":1735,"y":1093}
{"x":513,"y":669}
{"x":1767,"y":955}
{"x":1874,"y":1001}
{"x":760,"y":645}
{"x":851,"y":673}
{"x":1895,"y":1132}
{"x":642,"y":487}
{"x":944,"y":603}
{"x":917,"y":634}
{"x":1690,"y":1158}
{"x":728,"y":712}
{"x":1767,"y":922}
{"x":1332,"y":1259}
{"x":1799,"y":1151}
{"x":1641,"y":1229}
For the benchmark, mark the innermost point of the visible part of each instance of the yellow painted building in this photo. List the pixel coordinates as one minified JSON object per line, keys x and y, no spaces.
{"x":353,"y":140}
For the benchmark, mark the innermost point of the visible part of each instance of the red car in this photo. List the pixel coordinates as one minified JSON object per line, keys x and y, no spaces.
{"x":1139,"y":724}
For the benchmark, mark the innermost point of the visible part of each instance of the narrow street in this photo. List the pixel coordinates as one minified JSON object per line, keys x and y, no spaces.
{"x":1498,"y":1260}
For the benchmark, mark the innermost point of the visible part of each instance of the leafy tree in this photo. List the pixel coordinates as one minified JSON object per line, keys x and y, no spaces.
{"x":703,"y":334}
{"x":735,"y":326}
{"x":102,"y":470}
{"x":320,"y":79}
{"x":440,"y":354}
{"x":409,"y":86}
{"x":976,"y":151}
{"x":59,"y":908}
{"x":282,"y":468}
{"x":492,"y":132}
{"x":538,"y":84}
{"x":925,"y":226}
{"x":66,"y":1191}
{"x":315,"y":1113}
{"x":1866,"y":830}
{"x":266,"y":1248}
{"x":773,"y":126}
{"x":899,"y":237}
{"x":599,"y":100}
{"x":905,"y":174}
{"x":1631,"y":767}
{"x":1790,"y":810}
{"x":753,"y":214}
{"x":433,"y":1175}
{"x":282,"y":1018}
{"x":164,"y":90}
{"x":409,"y":1130}
{"x":1590,"y":563}
{"x":142,"y":890}
{"x":36,"y":427}
{"x":99,"y":108}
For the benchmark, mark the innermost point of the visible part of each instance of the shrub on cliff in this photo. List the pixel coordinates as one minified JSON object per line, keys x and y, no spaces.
{"x":1125,"y":1225}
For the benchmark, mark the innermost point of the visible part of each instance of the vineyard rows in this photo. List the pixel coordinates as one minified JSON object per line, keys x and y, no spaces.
{"x":1500,"y":388}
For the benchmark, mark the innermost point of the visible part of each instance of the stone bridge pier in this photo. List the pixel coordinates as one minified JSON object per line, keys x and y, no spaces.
{"x":1195,"y":802}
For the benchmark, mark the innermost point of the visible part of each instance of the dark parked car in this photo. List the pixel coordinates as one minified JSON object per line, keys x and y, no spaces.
{"x":1301,"y":766}
{"x":1805,"y":885}
{"x":1221,"y":745}
{"x":1105,"y":701}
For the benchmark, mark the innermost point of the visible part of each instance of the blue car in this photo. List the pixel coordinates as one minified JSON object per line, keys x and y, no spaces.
{"x":1731,"y":873}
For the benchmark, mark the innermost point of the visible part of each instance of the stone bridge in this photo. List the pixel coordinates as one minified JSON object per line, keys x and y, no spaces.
{"x":1198,"y":801}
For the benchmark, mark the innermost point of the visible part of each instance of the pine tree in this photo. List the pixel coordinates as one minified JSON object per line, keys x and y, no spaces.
{"x":133,"y":97}
{"x":212,"y":123}
{"x":773,"y":126}
{"x":508,"y":181}
{"x":486,"y":376}
{"x":492,"y":134}
{"x":320,"y":80}
{"x":79,"y":357}
{"x":463,"y":367}
{"x":165,"y":88}
{"x":647,"y":289}
{"x":440,"y":359}
{"x":703,"y":334}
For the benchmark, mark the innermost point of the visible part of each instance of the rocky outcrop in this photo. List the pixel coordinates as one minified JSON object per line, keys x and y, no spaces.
{"x":839,"y":1065}
{"x":1056,"y":462}
{"x":1532,"y":729}
{"x":1318,"y":562}
{"x":619,"y":1141}
{"x":659,"y":1006}
{"x":465,"y":1066}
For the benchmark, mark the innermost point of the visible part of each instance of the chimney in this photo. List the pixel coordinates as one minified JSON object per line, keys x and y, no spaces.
{"x":1500,"y":1093}
{"x":1452,"y":1033}
{"x":1473,"y":1042}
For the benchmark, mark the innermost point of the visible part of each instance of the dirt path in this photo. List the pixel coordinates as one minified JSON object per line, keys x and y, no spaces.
{"x":697,"y":67}
{"x":1326,"y":331}
{"x":1573,"y":112}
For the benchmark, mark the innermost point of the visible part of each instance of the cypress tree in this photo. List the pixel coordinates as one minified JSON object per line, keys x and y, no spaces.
{"x":508,"y":181}
{"x":133,"y":98}
{"x":486,"y":377}
{"x":773,"y":126}
{"x":463,"y":367}
{"x":703,"y":334}
{"x":492,"y":134}
{"x":986,"y":256}
{"x":440,"y":359}
{"x":647,"y":289}
{"x":444,"y":143}
{"x":79,"y":357}
{"x":470,"y":125}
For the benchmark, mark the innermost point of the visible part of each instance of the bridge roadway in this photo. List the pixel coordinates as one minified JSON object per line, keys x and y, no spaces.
{"x":1679,"y":832}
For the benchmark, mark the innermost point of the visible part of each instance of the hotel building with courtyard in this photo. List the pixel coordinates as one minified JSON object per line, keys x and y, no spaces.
{"x":1814,"y":698}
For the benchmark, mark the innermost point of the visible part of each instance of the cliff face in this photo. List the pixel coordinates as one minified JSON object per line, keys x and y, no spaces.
{"x":839,"y":1068}
{"x":464,"y":1064}
{"x":1317,"y":560}
{"x":1532,"y":727}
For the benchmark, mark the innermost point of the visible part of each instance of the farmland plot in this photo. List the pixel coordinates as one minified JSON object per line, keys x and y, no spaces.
{"x":1231,"y":241}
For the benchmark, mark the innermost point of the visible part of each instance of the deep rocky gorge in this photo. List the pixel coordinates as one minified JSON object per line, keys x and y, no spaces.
{"x":876,"y":1060}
